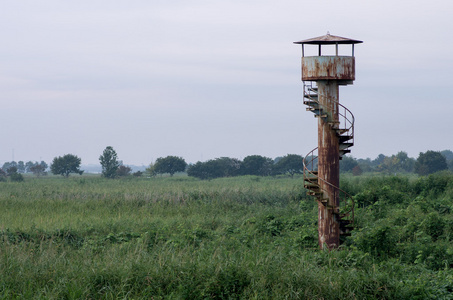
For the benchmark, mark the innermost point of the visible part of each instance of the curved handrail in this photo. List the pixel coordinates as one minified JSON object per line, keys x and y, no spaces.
{"x":346,"y":123}
{"x":347,"y":117}
{"x":311,"y":170}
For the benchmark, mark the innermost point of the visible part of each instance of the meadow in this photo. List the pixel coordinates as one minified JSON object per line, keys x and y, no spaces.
{"x":249,"y":237}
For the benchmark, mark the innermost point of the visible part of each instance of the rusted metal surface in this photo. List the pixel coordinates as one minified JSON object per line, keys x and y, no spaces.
{"x":328,"y":166}
{"x":328,"y":39}
{"x":334,"y":137}
{"x":316,"y":68}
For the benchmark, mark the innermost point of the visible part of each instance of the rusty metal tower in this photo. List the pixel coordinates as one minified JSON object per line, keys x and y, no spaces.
{"x":322,"y":75}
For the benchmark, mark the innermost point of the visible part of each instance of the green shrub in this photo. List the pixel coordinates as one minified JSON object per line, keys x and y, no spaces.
{"x":16,"y":177}
{"x":378,"y":241}
{"x":433,"y":225}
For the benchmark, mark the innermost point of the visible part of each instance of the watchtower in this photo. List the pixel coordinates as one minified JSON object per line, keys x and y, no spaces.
{"x":322,"y":75}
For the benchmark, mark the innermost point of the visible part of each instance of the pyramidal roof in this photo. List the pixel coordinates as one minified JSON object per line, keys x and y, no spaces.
{"x":329,"y":39}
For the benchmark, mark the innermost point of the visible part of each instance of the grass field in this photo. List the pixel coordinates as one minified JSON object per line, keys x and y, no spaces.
{"x":232,"y":238}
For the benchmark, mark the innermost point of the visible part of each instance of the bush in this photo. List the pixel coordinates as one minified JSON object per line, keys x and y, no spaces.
{"x":433,"y":225}
{"x":378,"y":241}
{"x":16,"y":177}
{"x":123,"y":171}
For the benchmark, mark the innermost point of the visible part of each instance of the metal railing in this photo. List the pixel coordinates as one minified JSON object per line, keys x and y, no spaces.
{"x":310,"y":162}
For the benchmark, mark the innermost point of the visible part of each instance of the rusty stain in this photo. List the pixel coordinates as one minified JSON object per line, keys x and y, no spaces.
{"x":328,"y":165}
{"x":328,"y":68}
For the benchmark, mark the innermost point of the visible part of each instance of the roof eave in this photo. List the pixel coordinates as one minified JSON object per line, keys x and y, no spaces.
{"x":328,"y":40}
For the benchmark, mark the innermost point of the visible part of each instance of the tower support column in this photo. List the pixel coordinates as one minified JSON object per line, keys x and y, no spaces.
{"x":328,"y":165}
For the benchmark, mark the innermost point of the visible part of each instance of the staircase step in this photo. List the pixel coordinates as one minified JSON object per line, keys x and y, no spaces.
{"x":312,"y":103}
{"x":346,"y":229}
{"x":321,"y":116}
{"x":323,"y":201}
{"x":345,"y":222}
{"x":343,"y":152}
{"x":317,"y":111}
{"x":334,"y":125}
{"x":314,"y":110}
{"x":311,"y":96}
{"x":344,"y":146}
{"x":341,"y":131}
{"x":344,"y":138}
{"x":311,"y":181}
{"x":314,"y":187}
{"x":316,"y":194}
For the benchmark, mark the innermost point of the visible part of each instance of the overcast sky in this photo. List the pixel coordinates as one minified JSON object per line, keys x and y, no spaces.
{"x":205,"y":79}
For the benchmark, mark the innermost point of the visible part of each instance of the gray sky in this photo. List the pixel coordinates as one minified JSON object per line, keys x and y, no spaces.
{"x":205,"y":79}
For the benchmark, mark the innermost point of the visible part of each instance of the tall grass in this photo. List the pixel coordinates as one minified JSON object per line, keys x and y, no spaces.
{"x":180,"y":238}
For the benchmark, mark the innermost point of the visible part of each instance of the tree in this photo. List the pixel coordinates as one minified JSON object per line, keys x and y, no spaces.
{"x":14,"y":175}
{"x":400,"y":162}
{"x":8,"y":165}
{"x":11,"y":170}
{"x":364,"y":164}
{"x":378,"y":160}
{"x":348,"y":163}
{"x":199,"y":170}
{"x":151,"y":170}
{"x":430,"y":162}
{"x":290,"y":164}
{"x":123,"y":171}
{"x":66,"y":164}
{"x":109,"y":162}
{"x":28,"y":165}
{"x":215,"y":168}
{"x":448,"y":154}
{"x":39,"y":168}
{"x":405,"y":163}
{"x":137,"y":174}
{"x":21,"y":167}
{"x":170,"y":164}
{"x":227,"y":166}
{"x":256,"y":165}
{"x":17,"y":177}
{"x":357,"y":171}
{"x":2,"y":175}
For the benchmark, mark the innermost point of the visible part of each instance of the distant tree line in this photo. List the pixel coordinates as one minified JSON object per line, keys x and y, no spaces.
{"x":427,"y":163}
{"x":251,"y":165}
{"x":28,"y":167}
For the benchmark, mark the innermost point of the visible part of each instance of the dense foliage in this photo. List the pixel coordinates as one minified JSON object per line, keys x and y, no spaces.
{"x":28,"y":167}
{"x":65,"y":165}
{"x":430,"y":162}
{"x":244,"y":237}
{"x":215,"y":168}
{"x":109,"y":162}
{"x":426,"y":163}
{"x":170,"y":165}
{"x":289,"y":164}
{"x":256,"y":165}
{"x":251,"y":165}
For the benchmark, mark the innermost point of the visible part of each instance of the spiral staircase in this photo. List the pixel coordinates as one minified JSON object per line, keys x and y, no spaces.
{"x":344,"y":130}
